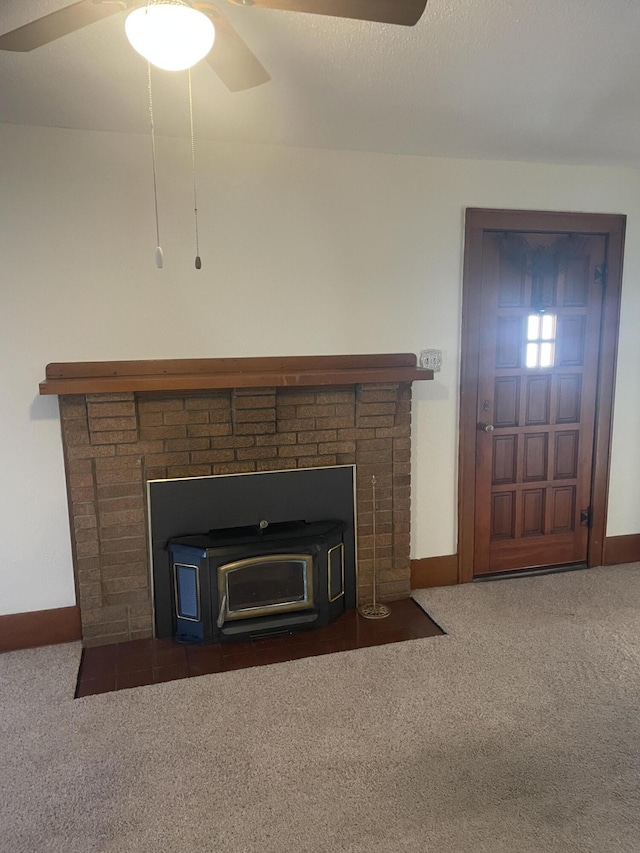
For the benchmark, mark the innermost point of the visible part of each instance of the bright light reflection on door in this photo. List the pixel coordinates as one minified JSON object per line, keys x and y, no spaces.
{"x":541,"y":340}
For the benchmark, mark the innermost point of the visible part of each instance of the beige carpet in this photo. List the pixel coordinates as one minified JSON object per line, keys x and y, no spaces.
{"x":519,"y":732}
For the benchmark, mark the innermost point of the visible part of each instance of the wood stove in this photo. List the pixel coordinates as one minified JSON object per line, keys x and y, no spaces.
{"x":248,"y":582}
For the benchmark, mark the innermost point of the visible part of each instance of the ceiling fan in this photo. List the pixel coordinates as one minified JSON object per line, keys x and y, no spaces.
{"x":230,"y":57}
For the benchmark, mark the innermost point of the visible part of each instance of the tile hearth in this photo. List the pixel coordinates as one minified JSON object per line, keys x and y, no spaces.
{"x":141,"y":662}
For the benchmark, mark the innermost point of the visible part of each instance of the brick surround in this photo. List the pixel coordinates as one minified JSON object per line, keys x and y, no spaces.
{"x":115,"y":442}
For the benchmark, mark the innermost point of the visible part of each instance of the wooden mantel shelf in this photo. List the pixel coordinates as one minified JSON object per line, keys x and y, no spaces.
{"x":203,"y":374}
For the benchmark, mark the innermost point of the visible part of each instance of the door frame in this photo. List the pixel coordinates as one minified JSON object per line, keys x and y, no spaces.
{"x":478,"y":220}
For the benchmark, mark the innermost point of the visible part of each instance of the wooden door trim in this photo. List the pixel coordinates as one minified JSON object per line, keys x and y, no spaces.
{"x":477,"y":221}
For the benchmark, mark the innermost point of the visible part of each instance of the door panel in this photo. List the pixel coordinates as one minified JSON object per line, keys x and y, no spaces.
{"x":540,"y":307}
{"x":527,"y":509}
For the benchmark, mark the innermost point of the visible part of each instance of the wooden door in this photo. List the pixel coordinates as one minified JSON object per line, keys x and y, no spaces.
{"x":538,"y":313}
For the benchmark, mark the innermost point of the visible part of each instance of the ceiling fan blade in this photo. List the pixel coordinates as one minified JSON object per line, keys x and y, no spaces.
{"x":58,"y":24}
{"x":403,"y":12}
{"x":230,"y":57}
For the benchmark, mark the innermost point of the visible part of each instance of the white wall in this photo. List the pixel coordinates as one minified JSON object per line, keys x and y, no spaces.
{"x":304,"y":252}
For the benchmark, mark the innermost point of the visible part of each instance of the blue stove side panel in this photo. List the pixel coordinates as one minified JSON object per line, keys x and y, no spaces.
{"x":187,"y":571}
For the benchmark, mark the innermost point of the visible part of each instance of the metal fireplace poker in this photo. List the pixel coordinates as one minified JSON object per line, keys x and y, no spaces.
{"x":374,"y":609}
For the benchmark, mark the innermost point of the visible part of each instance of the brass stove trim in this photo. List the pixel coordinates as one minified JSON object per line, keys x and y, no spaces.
{"x":283,"y":606}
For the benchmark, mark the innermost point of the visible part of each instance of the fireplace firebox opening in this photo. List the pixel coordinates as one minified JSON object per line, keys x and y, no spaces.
{"x":241,"y":556}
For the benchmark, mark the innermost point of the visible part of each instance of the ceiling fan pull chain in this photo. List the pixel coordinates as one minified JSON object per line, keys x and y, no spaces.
{"x":159,"y":254}
{"x":193,"y":170}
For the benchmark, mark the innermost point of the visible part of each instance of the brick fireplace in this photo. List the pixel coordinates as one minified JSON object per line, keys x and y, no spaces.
{"x":124,"y":423}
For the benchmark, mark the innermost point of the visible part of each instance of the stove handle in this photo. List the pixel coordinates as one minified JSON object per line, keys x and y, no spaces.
{"x":223,"y":605}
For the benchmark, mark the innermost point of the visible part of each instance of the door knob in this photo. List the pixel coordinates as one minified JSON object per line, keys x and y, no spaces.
{"x":486,"y":427}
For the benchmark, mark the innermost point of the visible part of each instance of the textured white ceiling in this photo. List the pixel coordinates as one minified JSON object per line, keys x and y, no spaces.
{"x":541,"y":80}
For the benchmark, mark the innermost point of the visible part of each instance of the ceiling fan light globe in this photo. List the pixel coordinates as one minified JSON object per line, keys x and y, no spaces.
{"x":170,"y":36}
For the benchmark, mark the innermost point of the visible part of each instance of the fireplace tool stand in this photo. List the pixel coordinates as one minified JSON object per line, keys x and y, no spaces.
{"x":374,"y":610}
